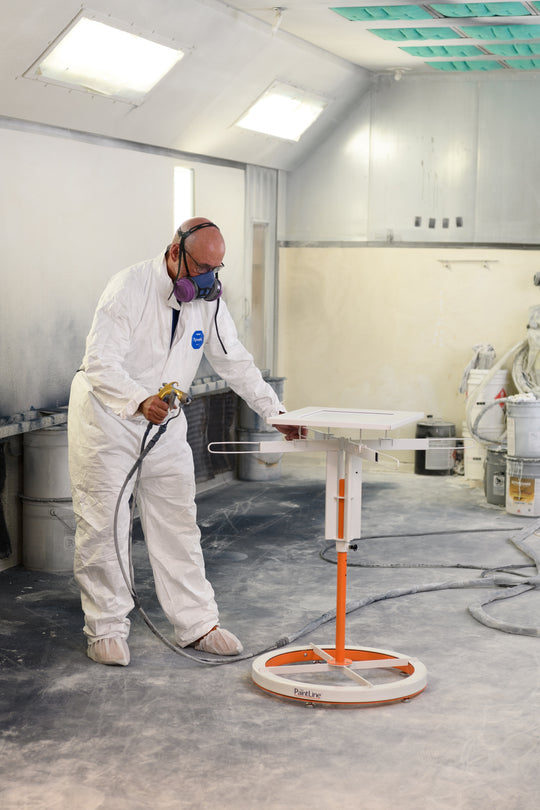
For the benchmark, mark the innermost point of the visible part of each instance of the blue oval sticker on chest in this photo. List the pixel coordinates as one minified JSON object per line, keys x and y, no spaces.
{"x":197,"y":339}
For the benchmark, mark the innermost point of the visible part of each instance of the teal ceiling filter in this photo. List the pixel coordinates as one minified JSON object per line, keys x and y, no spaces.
{"x":502,"y":31}
{"x":442,"y":50}
{"x":481,"y":9}
{"x":513,"y":49}
{"x":466,"y":66}
{"x":490,"y":36}
{"x":402,"y":34}
{"x":363,"y":13}
{"x":524,"y":64}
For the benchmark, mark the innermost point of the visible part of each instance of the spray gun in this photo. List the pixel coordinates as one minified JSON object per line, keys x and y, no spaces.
{"x":169,"y":393}
{"x":175,"y":398}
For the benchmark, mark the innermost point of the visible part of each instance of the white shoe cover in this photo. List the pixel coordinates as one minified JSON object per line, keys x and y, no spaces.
{"x":219,"y":642}
{"x":110,"y":651}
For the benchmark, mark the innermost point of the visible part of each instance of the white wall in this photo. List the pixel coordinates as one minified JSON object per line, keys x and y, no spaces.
{"x":366,"y":321}
{"x":430,"y":147}
{"x":73,"y":213}
{"x":388,"y":327}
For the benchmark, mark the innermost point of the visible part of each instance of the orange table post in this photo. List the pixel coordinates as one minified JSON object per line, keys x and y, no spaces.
{"x":341,"y":597}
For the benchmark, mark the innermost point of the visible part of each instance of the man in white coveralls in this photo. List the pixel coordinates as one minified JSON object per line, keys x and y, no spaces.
{"x":152,"y":325}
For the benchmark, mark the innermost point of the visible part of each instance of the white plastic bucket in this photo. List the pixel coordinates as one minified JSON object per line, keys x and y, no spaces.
{"x":524,"y":428}
{"x":492,"y":422}
{"x":48,"y":535}
{"x":474,"y":457}
{"x":45,"y":464}
{"x":523,"y":486}
{"x":258,"y":466}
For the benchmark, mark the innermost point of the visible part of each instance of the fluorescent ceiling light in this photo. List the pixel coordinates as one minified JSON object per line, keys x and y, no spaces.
{"x":106,"y":60}
{"x":284,"y":112}
{"x":184,"y":198}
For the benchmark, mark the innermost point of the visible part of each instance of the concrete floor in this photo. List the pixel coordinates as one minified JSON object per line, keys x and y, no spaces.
{"x":169,"y":734}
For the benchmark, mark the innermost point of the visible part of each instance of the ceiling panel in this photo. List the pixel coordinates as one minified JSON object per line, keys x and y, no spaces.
{"x":230,"y":60}
{"x":374,"y":35}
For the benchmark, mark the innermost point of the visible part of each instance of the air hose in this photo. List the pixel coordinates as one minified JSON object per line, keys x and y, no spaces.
{"x":524,"y":375}
{"x":503,"y":576}
{"x":168,"y":393}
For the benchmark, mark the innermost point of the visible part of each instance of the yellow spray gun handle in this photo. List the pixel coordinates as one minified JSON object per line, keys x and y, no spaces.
{"x":170,"y":392}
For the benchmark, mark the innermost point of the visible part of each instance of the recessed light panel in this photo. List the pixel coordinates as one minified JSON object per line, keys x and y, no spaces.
{"x":103,"y":59}
{"x":284,"y":112}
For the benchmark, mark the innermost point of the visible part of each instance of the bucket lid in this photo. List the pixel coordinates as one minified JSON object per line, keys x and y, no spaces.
{"x":28,"y":499}
{"x":500,"y":450}
{"x":515,"y":403}
{"x":435,"y":421}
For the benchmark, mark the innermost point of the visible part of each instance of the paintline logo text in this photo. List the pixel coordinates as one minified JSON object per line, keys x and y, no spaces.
{"x":307,"y":693}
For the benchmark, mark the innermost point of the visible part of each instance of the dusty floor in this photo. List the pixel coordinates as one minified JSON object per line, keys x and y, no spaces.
{"x":169,"y":734}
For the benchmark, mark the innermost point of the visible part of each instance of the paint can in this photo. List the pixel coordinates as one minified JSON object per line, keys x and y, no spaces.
{"x":474,"y":456}
{"x":48,"y":523}
{"x":495,"y":475}
{"x":48,"y":535}
{"x":523,"y":428}
{"x":492,"y":422}
{"x":439,"y":459}
{"x":45,"y":463}
{"x":248,"y":419}
{"x":523,"y":486}
{"x":258,"y":466}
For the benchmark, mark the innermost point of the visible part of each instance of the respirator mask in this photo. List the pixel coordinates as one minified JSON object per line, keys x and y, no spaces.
{"x":204,"y":285}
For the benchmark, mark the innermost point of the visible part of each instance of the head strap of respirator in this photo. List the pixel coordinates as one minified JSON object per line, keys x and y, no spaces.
{"x":205,"y":285}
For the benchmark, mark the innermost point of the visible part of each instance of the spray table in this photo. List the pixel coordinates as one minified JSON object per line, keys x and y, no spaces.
{"x":332,"y":674}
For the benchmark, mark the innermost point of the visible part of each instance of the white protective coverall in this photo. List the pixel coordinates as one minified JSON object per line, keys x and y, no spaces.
{"x":128,"y":358}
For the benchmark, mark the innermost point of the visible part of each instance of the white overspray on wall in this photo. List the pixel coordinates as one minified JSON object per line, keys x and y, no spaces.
{"x":73,"y":214}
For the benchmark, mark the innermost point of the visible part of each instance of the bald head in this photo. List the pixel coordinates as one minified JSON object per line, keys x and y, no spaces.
{"x":203,"y":244}
{"x":201,"y":234}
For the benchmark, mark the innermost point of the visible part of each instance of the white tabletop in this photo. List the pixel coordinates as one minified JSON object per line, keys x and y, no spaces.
{"x":353,"y":418}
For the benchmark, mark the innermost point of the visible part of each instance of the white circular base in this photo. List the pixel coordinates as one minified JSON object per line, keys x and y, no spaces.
{"x":368,"y":676}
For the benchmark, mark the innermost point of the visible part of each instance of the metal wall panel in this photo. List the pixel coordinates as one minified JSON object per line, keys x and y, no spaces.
{"x":508,"y":198}
{"x":327,"y":197}
{"x":422,"y":162}
{"x":426,"y":160}
{"x":260,"y":263}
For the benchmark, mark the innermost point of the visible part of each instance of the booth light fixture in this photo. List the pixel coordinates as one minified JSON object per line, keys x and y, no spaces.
{"x":106,"y":60}
{"x":283,"y":111}
{"x":184,"y":195}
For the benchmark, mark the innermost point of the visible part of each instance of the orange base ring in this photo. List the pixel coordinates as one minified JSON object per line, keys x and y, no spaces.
{"x":311,"y":675}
